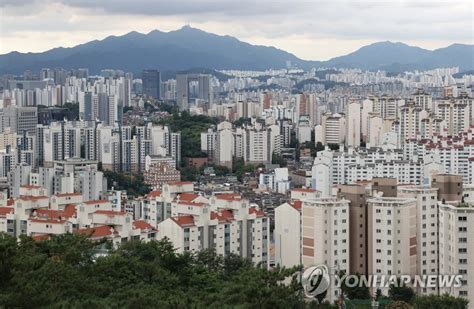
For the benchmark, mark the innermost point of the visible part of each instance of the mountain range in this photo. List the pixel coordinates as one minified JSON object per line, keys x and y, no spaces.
{"x":191,"y":48}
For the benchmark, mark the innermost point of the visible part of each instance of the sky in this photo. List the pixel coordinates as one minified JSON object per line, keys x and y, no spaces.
{"x":310,"y":29}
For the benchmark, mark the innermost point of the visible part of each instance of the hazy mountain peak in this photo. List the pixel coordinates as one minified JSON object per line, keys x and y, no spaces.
{"x":190,"y":47}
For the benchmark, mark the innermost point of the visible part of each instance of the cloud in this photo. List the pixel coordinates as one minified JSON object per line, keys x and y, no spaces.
{"x":310,"y":29}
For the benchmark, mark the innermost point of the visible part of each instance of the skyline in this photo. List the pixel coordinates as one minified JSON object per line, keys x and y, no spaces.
{"x":324,"y":31}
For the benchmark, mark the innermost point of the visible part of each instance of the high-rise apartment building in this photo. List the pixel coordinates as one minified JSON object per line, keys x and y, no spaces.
{"x":392,"y":243}
{"x":152,"y":83}
{"x":325,"y":235}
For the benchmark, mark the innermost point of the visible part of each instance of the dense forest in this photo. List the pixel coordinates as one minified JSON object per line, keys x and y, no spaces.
{"x":64,"y":272}
{"x":67,"y":272}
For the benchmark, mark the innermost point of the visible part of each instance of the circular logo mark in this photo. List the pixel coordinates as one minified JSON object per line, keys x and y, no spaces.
{"x":315,"y":280}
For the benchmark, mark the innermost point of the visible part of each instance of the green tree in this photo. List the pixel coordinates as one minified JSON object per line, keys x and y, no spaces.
{"x":402,"y":292}
{"x":440,"y":302}
{"x":64,"y":272}
{"x":398,"y":305}
{"x":278,"y":159}
{"x":356,"y":292}
{"x":133,"y":183}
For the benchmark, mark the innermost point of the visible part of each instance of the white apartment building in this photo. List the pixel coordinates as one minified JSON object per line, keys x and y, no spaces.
{"x":325,"y":236}
{"x":333,"y":129}
{"x":427,"y":229}
{"x":456,"y":247}
{"x":287,"y":234}
{"x":226,"y":224}
{"x":353,"y":124}
{"x":392,"y":243}
{"x":456,"y":115}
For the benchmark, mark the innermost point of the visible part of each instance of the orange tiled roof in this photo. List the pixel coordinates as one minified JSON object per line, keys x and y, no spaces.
{"x":142,"y":225}
{"x":98,"y":231}
{"x":110,"y":212}
{"x":68,"y":194}
{"x":6,"y":210}
{"x":225,"y":215}
{"x":30,"y":187}
{"x":32,"y":197}
{"x":155,"y":193}
{"x":51,"y":221}
{"x":183,"y":220}
{"x":228,"y":196}
{"x":254,"y":210}
{"x":187,"y":196}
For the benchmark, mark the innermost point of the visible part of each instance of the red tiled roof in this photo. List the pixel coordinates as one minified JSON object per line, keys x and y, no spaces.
{"x":225,"y":215}
{"x":32,"y":197}
{"x":155,"y":193}
{"x":98,"y":231}
{"x":228,"y":196}
{"x":190,"y":203}
{"x":110,"y":213}
{"x":70,"y":211}
{"x":188,"y":197}
{"x":296,"y":204}
{"x":49,"y":213}
{"x":10,"y":202}
{"x":142,"y":225}
{"x":183,"y":220}
{"x":39,"y":237}
{"x":68,"y":194}
{"x":254,"y":210}
{"x":52,"y":221}
{"x":6,"y":210}
{"x":30,"y":187}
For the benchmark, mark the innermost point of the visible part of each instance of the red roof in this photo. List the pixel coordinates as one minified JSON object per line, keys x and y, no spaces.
{"x":30,"y":187}
{"x":188,"y":197}
{"x":110,"y":213}
{"x":228,"y":196}
{"x":142,"y":225}
{"x":68,"y":194}
{"x":155,"y":193}
{"x":225,"y":215}
{"x":52,"y":221}
{"x":32,"y":197}
{"x":98,"y":231}
{"x":49,"y":213}
{"x":6,"y":210}
{"x":39,"y":237}
{"x":254,"y":210}
{"x":10,"y":202}
{"x":183,"y":220}
{"x":190,"y":203}
{"x":296,"y":204}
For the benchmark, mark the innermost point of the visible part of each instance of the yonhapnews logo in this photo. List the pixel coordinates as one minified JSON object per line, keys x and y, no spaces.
{"x":315,"y":280}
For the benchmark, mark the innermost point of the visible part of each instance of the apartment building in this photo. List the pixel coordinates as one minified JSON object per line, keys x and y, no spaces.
{"x":227,"y":224}
{"x":392,"y":241}
{"x":325,"y":234}
{"x":427,"y":229}
{"x":456,"y":247}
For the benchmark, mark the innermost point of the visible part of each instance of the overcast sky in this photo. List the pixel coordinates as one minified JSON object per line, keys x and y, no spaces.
{"x":311,"y":29}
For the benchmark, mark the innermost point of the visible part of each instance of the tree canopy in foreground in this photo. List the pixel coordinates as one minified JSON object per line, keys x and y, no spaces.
{"x":64,"y":272}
